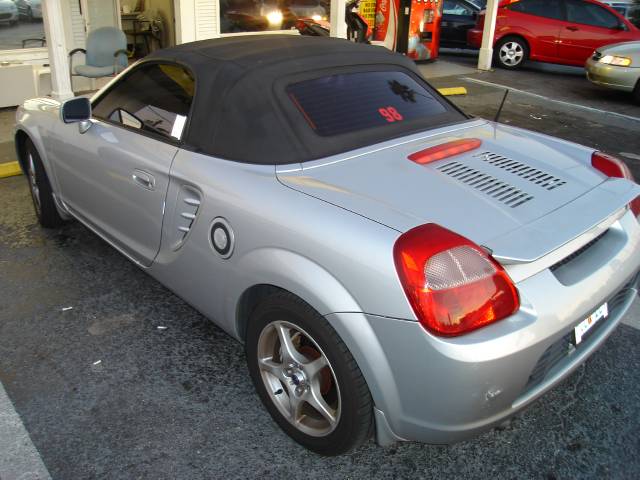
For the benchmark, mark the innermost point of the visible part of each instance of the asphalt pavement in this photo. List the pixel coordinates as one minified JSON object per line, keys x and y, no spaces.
{"x":567,"y":84}
{"x":114,"y":377}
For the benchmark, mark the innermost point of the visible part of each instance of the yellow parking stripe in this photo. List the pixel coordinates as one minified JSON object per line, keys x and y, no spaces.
{"x":453,"y":91}
{"x":9,"y":169}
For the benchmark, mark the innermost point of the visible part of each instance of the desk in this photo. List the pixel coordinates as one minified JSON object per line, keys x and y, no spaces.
{"x":136,"y":29}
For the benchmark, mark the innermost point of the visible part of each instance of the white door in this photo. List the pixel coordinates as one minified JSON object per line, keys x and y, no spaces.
{"x":101,"y":13}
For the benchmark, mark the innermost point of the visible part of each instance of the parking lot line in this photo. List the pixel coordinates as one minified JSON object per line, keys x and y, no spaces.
{"x":549,"y":99}
{"x":19,"y":458}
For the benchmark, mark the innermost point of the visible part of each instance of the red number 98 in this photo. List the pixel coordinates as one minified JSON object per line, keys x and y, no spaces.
{"x":390,"y":114}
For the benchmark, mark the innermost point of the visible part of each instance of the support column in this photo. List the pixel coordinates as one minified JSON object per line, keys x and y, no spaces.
{"x":336,"y":17}
{"x":53,"y":21}
{"x":486,"y":49}
{"x":185,"y":13}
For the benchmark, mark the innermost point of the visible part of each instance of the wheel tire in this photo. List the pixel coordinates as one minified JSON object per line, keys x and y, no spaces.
{"x":353,"y":412}
{"x":511,"y":52}
{"x":41,"y":193}
{"x":636,"y":93}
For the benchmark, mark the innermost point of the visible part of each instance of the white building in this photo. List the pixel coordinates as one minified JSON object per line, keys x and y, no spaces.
{"x":40,"y":65}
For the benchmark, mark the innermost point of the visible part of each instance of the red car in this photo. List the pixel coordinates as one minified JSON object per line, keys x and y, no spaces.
{"x":555,"y":31}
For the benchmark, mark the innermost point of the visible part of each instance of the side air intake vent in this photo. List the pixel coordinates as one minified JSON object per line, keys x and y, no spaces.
{"x":187,"y":208}
{"x":491,"y":186}
{"x":540,"y":178}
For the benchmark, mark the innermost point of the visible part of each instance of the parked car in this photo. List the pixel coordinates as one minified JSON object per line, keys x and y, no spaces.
{"x":30,"y":9}
{"x":557,"y":31}
{"x":8,"y":12}
{"x":389,"y":262}
{"x":458,"y":17}
{"x":616,"y":67}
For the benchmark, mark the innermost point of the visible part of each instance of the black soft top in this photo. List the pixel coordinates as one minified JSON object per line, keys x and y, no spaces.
{"x":241,"y":112}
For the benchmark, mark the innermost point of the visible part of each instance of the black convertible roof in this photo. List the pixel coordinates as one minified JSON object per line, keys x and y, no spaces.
{"x":240,"y":111}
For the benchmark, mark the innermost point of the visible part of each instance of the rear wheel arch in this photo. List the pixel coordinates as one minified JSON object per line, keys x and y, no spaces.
{"x":352,"y":328}
{"x":269,"y":270}
{"x":519,"y":33}
{"x":248,"y":302}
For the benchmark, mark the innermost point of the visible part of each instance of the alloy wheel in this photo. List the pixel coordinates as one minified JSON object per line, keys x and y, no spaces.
{"x":33,"y":184}
{"x":299,"y":378}
{"x":511,"y":53}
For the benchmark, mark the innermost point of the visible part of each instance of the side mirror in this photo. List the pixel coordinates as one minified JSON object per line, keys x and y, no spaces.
{"x":76,"y":110}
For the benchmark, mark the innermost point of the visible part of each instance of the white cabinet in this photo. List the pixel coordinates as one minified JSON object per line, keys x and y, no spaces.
{"x":18,"y":84}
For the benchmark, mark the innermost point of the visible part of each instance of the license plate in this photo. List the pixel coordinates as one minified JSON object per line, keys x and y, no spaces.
{"x":589,"y":322}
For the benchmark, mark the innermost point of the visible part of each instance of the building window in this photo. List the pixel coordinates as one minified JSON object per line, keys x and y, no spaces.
{"x":21,"y":24}
{"x":265,"y":15}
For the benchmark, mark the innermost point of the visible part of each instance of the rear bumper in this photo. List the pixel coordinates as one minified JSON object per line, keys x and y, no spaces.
{"x":474,"y":37}
{"x":611,"y":76}
{"x":440,"y":390}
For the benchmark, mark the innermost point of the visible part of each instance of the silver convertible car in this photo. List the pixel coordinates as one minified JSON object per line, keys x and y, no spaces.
{"x":392,"y":265}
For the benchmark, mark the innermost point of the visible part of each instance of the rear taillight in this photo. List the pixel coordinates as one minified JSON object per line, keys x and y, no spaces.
{"x":452,"y":284}
{"x":610,"y":165}
{"x":614,"y":167}
{"x":635,"y":206}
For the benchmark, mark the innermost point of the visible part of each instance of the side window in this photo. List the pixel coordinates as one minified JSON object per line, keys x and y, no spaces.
{"x":540,"y":8}
{"x":451,"y":7}
{"x":153,"y":98}
{"x":590,"y":14}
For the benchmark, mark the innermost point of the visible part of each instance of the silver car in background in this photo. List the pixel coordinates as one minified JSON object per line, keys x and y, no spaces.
{"x":8,"y":12}
{"x":30,"y":9}
{"x":392,"y":265}
{"x":616,"y":67}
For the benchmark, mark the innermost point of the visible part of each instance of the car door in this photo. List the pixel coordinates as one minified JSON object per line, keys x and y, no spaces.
{"x":588,"y":27}
{"x":540,"y":21}
{"x":458,"y":17}
{"x":115,"y":175}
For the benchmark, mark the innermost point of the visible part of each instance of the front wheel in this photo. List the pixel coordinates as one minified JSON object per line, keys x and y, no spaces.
{"x":306,"y":376}
{"x":41,"y":192}
{"x":636,"y":92}
{"x":511,"y":52}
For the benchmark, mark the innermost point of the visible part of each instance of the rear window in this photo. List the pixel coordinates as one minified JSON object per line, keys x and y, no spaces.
{"x":346,"y":103}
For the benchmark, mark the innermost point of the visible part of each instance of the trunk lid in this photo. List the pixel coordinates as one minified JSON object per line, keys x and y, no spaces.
{"x":502,"y":190}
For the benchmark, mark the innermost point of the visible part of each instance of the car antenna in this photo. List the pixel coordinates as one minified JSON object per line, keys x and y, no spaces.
{"x":504,"y":98}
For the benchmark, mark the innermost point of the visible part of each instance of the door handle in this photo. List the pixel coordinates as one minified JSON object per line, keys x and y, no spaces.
{"x":144,"y":179}
{"x":572,"y":28}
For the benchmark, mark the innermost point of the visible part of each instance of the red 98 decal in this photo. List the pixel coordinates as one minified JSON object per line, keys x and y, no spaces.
{"x":390,"y":114}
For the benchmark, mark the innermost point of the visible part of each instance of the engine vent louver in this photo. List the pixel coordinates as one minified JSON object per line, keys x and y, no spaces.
{"x":538,"y":177}
{"x":491,"y":186}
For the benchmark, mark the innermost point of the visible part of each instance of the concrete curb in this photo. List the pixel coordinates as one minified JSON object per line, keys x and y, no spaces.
{"x":452,"y":91}
{"x":10,"y":169}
